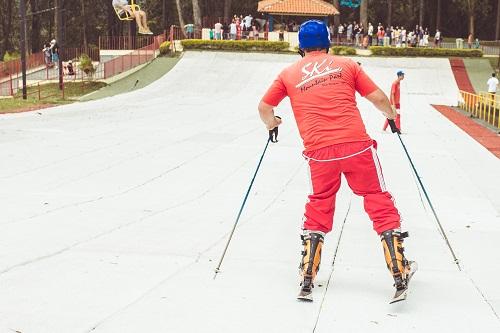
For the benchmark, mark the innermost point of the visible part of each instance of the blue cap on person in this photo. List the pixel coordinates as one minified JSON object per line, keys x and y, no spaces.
{"x":400,"y":73}
{"x":313,"y":34}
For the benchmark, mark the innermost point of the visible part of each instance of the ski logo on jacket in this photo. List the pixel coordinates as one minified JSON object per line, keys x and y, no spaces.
{"x":315,"y":70}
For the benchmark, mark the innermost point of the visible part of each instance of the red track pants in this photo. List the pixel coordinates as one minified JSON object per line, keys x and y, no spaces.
{"x":359,"y":163}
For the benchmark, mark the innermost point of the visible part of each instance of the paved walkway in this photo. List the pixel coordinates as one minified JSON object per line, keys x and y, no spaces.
{"x":479,"y":71}
{"x":486,"y":137}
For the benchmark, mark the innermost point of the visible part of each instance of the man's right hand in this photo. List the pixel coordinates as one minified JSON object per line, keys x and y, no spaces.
{"x":394,"y":111}
{"x":394,"y":128}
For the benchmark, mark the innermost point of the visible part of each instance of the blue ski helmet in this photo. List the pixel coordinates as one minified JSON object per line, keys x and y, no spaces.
{"x":313,"y":34}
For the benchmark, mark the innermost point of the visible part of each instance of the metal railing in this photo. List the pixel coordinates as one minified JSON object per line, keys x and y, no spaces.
{"x":12,"y":69}
{"x":75,"y":52}
{"x":484,"y":106}
{"x":178,"y":33}
{"x":7,"y":86}
{"x":14,"y":66}
{"x":38,"y":88}
{"x":40,"y":85}
{"x":125,"y":42}
{"x":135,"y":58}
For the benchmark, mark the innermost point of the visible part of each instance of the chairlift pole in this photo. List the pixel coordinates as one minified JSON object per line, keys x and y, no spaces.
{"x":22,"y":41}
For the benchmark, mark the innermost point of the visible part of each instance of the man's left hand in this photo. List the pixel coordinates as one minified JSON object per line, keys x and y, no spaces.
{"x":273,"y":124}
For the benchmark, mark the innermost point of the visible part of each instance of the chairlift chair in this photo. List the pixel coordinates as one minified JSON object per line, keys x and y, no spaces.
{"x":124,"y":15}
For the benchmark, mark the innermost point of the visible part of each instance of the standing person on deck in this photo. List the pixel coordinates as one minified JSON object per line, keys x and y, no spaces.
{"x":492,"y":85}
{"x":395,"y":99}
{"x":322,"y":88}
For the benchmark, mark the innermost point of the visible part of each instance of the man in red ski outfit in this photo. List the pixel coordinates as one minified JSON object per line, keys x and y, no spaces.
{"x":396,"y":99}
{"x":322,"y":88}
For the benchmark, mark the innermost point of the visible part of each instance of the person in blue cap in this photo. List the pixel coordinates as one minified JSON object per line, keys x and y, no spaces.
{"x":396,"y":99}
{"x":322,"y":90}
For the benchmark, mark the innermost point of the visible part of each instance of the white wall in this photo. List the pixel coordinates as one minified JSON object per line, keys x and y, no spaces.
{"x":290,"y":37}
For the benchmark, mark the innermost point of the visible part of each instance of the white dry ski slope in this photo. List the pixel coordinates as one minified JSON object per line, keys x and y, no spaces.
{"x":114,"y":213}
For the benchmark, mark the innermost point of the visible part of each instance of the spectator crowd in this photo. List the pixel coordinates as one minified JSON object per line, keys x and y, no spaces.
{"x":356,"y":34}
{"x":349,"y":34}
{"x":238,"y":28}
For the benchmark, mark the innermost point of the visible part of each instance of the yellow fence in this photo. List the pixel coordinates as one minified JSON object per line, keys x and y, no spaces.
{"x":483,"y":106}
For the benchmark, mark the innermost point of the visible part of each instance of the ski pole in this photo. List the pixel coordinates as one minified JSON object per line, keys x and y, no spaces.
{"x":455,"y":259}
{"x":273,"y":136}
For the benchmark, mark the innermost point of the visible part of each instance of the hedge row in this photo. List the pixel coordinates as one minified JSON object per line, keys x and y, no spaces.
{"x":487,"y":43}
{"x":234,"y":45}
{"x":254,"y":45}
{"x":343,"y":50}
{"x":424,"y":52}
{"x":165,"y":48}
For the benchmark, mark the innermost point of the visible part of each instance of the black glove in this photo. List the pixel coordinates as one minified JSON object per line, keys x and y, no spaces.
{"x":273,"y":134}
{"x":394,"y":128}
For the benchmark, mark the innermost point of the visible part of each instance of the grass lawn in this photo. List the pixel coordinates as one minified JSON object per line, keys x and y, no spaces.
{"x":50,"y":95}
{"x":493,"y":62}
{"x":140,"y":79}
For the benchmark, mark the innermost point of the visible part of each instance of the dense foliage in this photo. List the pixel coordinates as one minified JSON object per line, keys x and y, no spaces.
{"x":165,"y":48}
{"x":234,"y":45}
{"x":85,"y":64}
{"x":424,"y":52}
{"x":342,"y":50}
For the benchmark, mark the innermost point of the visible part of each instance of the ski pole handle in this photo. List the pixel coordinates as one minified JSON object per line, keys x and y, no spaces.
{"x":273,"y":134}
{"x":394,"y":128}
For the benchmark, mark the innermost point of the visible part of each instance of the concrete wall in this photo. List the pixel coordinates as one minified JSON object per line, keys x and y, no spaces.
{"x":290,"y":37}
{"x":107,"y":55}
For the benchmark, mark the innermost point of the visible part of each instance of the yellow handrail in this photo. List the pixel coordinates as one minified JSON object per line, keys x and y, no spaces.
{"x":483,"y":106}
{"x":124,"y":15}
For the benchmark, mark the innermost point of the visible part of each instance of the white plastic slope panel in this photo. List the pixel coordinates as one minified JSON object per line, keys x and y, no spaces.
{"x":75,"y":175}
{"x":115,"y":213}
{"x":431,"y":80}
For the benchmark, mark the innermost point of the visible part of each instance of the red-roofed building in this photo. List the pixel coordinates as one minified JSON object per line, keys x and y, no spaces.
{"x":305,"y":8}
{"x":315,"y":8}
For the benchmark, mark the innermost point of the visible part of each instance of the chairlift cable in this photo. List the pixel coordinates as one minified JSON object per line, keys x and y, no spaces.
{"x":41,"y":11}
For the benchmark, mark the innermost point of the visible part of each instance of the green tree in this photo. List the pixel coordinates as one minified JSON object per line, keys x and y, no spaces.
{"x":421,"y":10}
{"x":473,"y":8}
{"x":363,"y":13}
{"x":438,"y":15}
{"x":389,"y":13}
{"x":181,"y":19}
{"x":337,"y":17}
{"x":197,"y":14}
{"x":9,"y":8}
{"x":497,"y":30}
{"x":227,"y":9}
